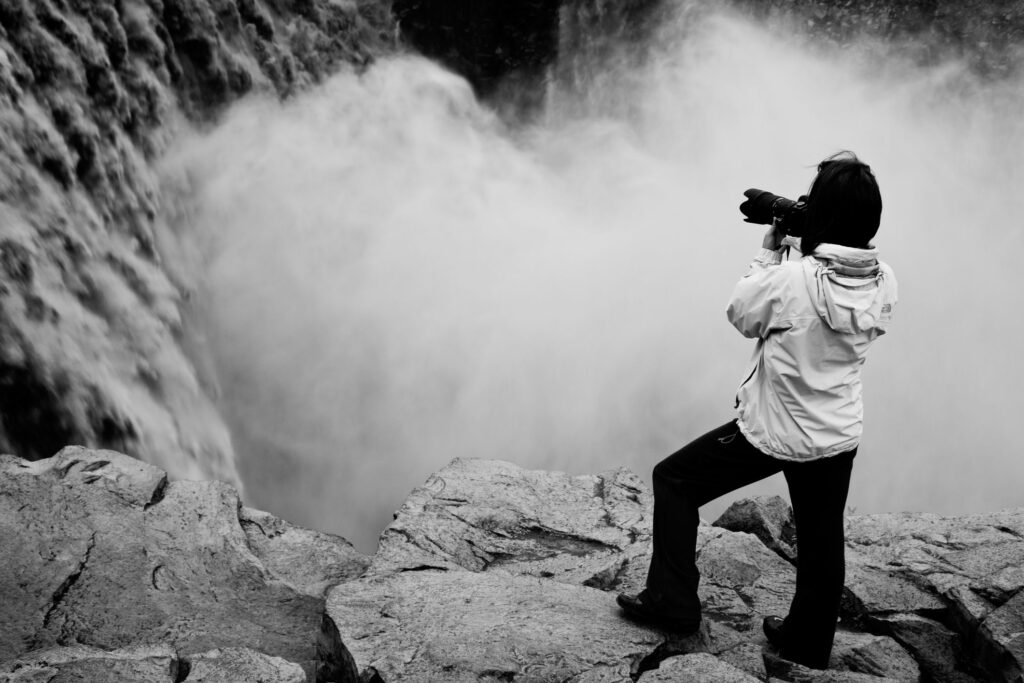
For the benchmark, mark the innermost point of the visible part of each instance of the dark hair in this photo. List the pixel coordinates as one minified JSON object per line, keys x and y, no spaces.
{"x":844,"y":205}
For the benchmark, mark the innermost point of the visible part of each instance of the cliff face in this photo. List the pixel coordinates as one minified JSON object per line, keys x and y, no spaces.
{"x":489,"y":573}
{"x":91,"y":93}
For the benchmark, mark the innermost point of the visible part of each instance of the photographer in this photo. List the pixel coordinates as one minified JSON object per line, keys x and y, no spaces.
{"x":798,"y":411}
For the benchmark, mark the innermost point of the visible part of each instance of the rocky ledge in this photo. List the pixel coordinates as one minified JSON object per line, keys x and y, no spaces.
{"x":488,"y":573}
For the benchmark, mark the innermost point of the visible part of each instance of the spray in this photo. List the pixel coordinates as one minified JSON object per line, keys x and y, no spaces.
{"x":393,"y":276}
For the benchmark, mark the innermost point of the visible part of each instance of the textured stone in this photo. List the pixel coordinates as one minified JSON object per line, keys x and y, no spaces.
{"x":741,"y":580}
{"x":784,"y":670}
{"x":619,"y":673}
{"x":937,"y":649}
{"x":696,"y":667}
{"x":487,"y":514}
{"x":310,"y":561}
{"x":231,"y":665}
{"x":967,"y":571}
{"x":101,"y":552}
{"x":874,"y":655}
{"x":770,"y":518}
{"x":436,"y":625}
{"x":746,"y":656}
{"x":136,"y":664}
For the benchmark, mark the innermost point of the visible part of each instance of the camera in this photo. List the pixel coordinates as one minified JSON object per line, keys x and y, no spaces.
{"x":765,"y":208}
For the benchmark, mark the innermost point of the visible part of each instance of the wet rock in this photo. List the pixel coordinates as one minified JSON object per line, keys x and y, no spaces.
{"x":230,"y":665}
{"x":770,"y":518}
{"x":486,"y":514}
{"x":696,"y":667}
{"x":91,"y":95}
{"x":137,"y":664}
{"x":102,"y":551}
{"x":457,"y":625}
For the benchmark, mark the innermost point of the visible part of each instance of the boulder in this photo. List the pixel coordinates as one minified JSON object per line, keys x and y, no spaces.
{"x":438,"y":625}
{"x":741,"y":580}
{"x":770,"y":518}
{"x":487,"y":514}
{"x":102,"y":551}
{"x":936,"y":648}
{"x":310,"y":561}
{"x":136,"y":664}
{"x":966,"y":572}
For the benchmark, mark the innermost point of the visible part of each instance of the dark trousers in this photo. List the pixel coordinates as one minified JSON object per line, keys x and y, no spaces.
{"x":719,"y":462}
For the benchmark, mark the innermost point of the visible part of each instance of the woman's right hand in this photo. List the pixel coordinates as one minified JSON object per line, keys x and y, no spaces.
{"x":772,"y":239}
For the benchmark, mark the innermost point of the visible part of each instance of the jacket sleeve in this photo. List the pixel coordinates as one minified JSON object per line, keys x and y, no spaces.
{"x":760,"y":299}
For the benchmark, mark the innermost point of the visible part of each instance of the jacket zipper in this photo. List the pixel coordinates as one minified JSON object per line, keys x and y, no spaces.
{"x":760,"y":355}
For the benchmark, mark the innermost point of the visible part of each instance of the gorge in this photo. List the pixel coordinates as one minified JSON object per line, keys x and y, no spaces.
{"x":318,"y":249}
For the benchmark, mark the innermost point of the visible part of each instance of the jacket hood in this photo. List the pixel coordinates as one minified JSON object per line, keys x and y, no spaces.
{"x":853,"y":292}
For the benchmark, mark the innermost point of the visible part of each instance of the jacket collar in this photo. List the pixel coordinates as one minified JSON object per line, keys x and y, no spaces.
{"x":848,"y":261}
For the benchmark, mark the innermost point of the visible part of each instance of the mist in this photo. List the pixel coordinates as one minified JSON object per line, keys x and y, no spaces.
{"x":391,"y":275}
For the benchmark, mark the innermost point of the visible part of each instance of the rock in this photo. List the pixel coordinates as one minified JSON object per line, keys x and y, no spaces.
{"x":591,"y":530}
{"x":136,"y":664}
{"x":102,"y":552}
{"x":230,"y":665}
{"x":741,"y":580}
{"x":965,"y":571}
{"x":605,"y":674}
{"x":874,"y":655}
{"x":309,"y":561}
{"x":937,"y":649}
{"x":747,"y":657}
{"x":770,"y":518}
{"x":486,"y":514}
{"x":437,"y":625}
{"x":696,"y":667}
{"x":784,"y":670}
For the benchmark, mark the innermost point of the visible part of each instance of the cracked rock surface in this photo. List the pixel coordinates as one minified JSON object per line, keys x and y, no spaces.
{"x":489,"y":570}
{"x":136,"y":664}
{"x":438,"y":625}
{"x":102,"y":551}
{"x":486,"y":514}
{"x":489,"y":573}
{"x":947,"y":588}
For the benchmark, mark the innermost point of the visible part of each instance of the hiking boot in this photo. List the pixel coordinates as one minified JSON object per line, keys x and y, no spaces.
{"x":641,"y":608}
{"x":773,"y":631}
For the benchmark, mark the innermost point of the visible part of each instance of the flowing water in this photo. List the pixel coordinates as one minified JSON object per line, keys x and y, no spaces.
{"x":393,"y":275}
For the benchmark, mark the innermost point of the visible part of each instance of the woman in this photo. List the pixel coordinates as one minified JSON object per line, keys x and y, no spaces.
{"x":799,"y":411}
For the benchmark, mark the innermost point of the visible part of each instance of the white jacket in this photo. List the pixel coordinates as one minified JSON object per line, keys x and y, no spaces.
{"x":814,"y":319}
